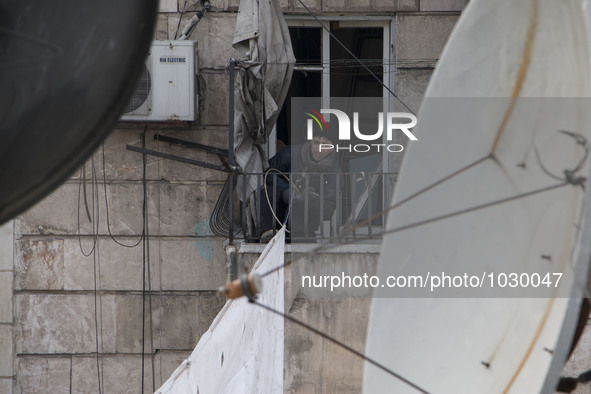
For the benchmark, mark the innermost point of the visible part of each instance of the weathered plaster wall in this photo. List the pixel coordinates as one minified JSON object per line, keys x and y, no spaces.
{"x":48,"y":326}
{"x":314,"y":364}
{"x":6,"y":315}
{"x":54,"y":334}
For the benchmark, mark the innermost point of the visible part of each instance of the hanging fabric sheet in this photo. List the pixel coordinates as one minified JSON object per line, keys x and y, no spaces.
{"x":242,"y":352}
{"x":263,"y":81}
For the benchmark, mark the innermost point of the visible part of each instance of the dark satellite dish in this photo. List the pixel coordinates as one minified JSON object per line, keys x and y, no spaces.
{"x":67,"y":70}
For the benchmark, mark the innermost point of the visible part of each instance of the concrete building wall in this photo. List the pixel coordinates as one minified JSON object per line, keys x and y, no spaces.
{"x":314,"y":364}
{"x":59,"y":319}
{"x":60,"y":299}
{"x":6,"y":315}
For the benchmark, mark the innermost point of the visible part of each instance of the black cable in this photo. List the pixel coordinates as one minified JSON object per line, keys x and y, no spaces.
{"x":474,"y":208}
{"x":95,"y":222}
{"x":340,"y":63}
{"x":345,"y":231}
{"x":180,"y":19}
{"x":71,"y":362}
{"x":294,"y":189}
{"x":569,"y":175}
{"x":570,"y":180}
{"x":147,"y":262}
{"x":100,"y":298}
{"x":460,"y":212}
{"x":144,"y":215}
{"x":201,"y":92}
{"x":324,"y":248}
{"x":80,"y":182}
{"x":341,"y":344}
{"x":84,"y":191}
{"x":97,"y":256}
{"x":141,"y":236}
{"x":356,"y":58}
{"x":412,"y":196}
{"x":146,"y":275}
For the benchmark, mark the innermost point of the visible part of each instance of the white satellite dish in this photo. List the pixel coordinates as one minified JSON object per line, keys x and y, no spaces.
{"x":490,"y":163}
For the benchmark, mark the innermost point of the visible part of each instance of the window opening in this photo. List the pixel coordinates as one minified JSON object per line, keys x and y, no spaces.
{"x":325,"y":69}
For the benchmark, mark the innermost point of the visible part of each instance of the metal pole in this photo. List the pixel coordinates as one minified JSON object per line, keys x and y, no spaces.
{"x":231,"y":114}
{"x":244,"y":226}
{"x":231,"y":209}
{"x":231,"y":161}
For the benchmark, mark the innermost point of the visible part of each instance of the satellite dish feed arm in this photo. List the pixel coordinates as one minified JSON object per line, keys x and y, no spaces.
{"x":246,"y":285}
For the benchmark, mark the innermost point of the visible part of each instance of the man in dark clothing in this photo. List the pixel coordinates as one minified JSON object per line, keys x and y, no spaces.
{"x":311,"y":186}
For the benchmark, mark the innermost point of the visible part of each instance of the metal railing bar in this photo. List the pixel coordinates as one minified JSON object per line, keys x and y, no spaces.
{"x":321,"y":193}
{"x":306,"y":212}
{"x":274,"y":200}
{"x":338,"y":216}
{"x":346,"y":199}
{"x":369,"y":198}
{"x":243,"y":216}
{"x":258,"y":227}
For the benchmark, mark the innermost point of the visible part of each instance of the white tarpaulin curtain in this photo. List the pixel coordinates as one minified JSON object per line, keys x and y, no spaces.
{"x":242,"y":352}
{"x":263,"y":81}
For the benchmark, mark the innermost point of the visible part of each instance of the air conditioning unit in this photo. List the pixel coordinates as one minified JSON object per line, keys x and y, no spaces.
{"x":166,"y":89}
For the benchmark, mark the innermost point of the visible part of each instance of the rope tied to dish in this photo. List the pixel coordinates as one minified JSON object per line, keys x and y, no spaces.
{"x":570,"y":176}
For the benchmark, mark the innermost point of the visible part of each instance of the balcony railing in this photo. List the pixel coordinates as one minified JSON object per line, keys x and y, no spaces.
{"x":321,"y":207}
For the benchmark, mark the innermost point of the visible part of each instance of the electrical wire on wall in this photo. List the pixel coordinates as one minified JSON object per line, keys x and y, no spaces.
{"x":94,"y":251}
{"x":146,"y":275}
{"x":178,"y":26}
{"x":92,"y":214}
{"x":141,"y":235}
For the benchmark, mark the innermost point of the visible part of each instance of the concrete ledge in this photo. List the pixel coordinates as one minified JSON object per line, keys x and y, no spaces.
{"x":309,"y":248}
